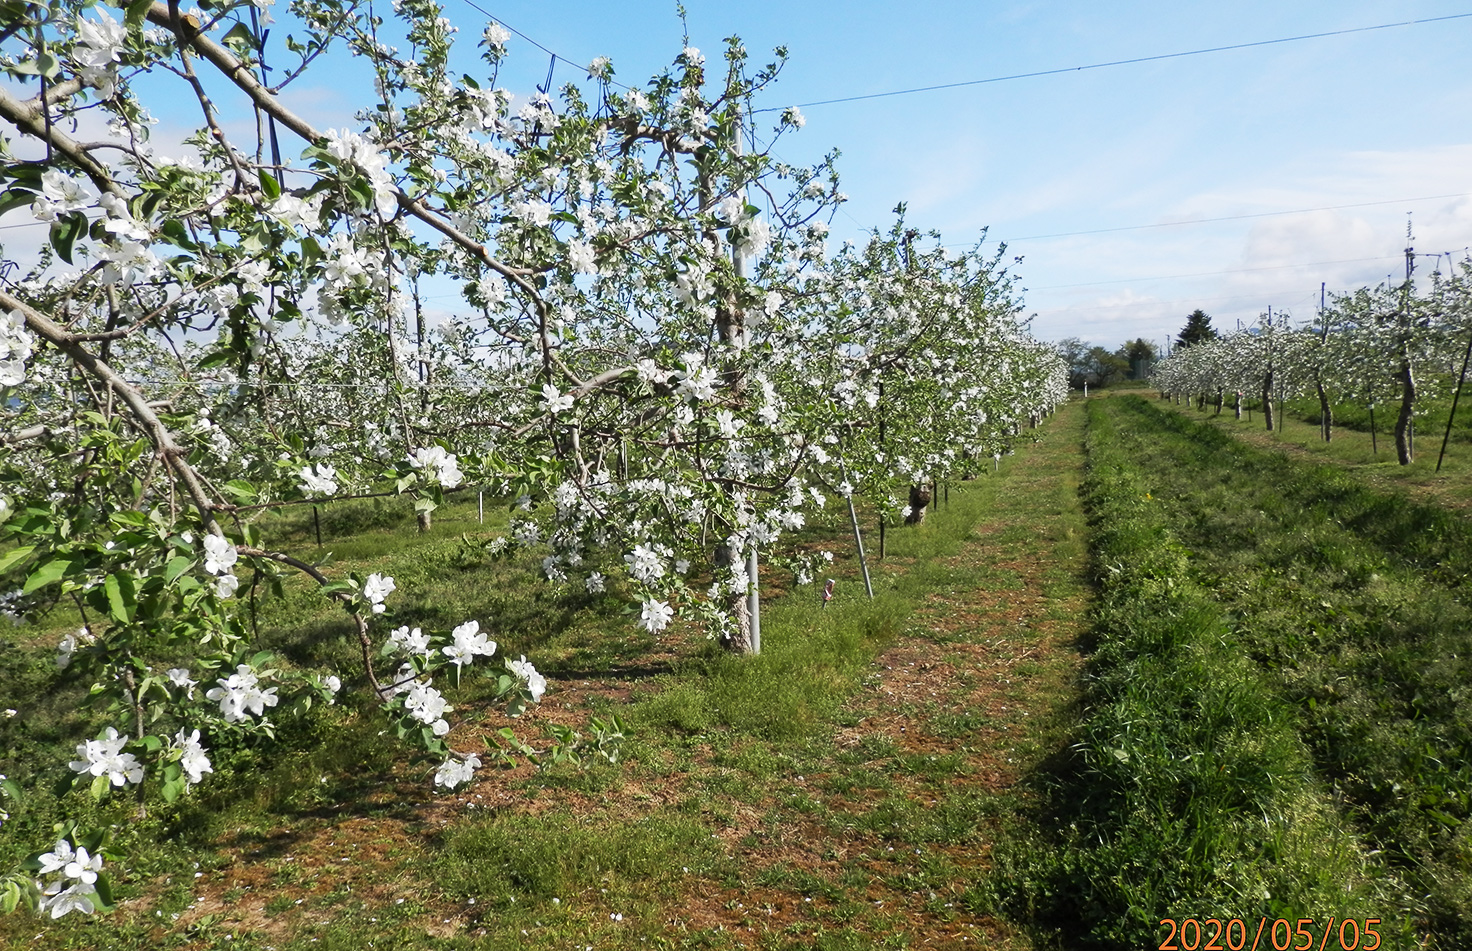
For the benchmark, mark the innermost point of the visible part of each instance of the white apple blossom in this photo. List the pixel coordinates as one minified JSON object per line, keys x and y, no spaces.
{"x":74,"y":886}
{"x":105,"y":757}
{"x":320,"y":478}
{"x":467,"y":643}
{"x":101,"y":44}
{"x":427,"y":705}
{"x":220,"y":554}
{"x":455,"y":772}
{"x":495,"y":34}
{"x":656,"y":615}
{"x":376,"y":588}
{"x":536,"y":684}
{"x":193,"y":759}
{"x":240,"y":695}
{"x":443,"y":466}
{"x":409,"y":641}
{"x":554,"y":401}
{"x":226,"y":586}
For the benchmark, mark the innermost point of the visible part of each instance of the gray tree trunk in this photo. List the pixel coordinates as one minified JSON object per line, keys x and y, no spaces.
{"x":1267,"y":399}
{"x":919,"y":501}
{"x":1404,"y":450}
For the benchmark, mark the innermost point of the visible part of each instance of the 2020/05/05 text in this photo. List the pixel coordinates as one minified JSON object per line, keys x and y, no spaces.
{"x":1281,"y":934}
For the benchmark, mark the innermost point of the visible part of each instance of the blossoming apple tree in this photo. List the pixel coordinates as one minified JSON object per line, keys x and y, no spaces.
{"x":654,"y":352}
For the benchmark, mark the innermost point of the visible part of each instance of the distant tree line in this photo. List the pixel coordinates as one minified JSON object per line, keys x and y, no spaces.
{"x":1098,"y":367}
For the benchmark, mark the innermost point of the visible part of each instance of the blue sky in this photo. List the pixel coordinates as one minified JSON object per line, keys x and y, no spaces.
{"x":1380,"y":117}
{"x":1377,"y":116}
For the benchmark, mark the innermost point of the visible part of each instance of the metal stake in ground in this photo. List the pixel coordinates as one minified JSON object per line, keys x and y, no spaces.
{"x":853,"y":518}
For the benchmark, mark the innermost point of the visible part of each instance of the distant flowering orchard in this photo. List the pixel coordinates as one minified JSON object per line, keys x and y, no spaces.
{"x":654,"y":351}
{"x":1388,"y":347}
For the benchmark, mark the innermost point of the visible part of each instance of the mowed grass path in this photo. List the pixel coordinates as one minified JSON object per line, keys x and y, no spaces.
{"x":1351,"y":596}
{"x":844,"y":790}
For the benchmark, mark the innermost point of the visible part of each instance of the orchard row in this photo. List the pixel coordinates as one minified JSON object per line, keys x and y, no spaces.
{"x":653,"y":348}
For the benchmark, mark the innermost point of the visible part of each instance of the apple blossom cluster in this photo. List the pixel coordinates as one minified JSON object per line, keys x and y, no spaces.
{"x":438,"y":464}
{"x":220,"y":558}
{"x":193,"y":758}
{"x":241,"y":695}
{"x":15,"y":349}
{"x":68,"y":880}
{"x":105,"y":757}
{"x":376,"y":589}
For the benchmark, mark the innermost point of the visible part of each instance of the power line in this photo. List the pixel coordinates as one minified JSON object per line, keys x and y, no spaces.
{"x":1261,"y":214}
{"x":1200,"y":299}
{"x":1242,"y":270}
{"x":1121,"y":62}
{"x":552,"y":53}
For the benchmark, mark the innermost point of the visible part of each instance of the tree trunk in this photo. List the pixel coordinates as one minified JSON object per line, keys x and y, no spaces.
{"x":1239,"y":404}
{"x":1403,"y":448}
{"x":919,"y":501}
{"x":1221,"y":398}
{"x":739,"y":640}
{"x":424,"y":518}
{"x":1267,"y":399}
{"x":1326,"y":414}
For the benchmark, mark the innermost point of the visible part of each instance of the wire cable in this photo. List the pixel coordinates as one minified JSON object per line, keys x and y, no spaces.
{"x":552,"y":53}
{"x":1260,"y":214}
{"x":1118,"y":62}
{"x":1241,"y":270}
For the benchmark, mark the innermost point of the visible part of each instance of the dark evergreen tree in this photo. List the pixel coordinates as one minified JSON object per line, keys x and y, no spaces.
{"x":1198,"y":328}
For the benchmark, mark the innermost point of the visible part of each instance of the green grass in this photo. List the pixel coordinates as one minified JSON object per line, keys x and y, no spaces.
{"x":1351,"y":598}
{"x":736,"y":816}
{"x":1186,"y":789}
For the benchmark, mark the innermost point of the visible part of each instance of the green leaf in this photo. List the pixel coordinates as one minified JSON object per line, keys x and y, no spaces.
{"x":152,"y":743}
{"x":311,"y":251}
{"x":217,"y":357}
{"x":14,"y":557}
{"x":100,"y":785}
{"x":64,"y":233}
{"x":12,"y":790}
{"x":240,"y":34}
{"x":242,"y":491}
{"x":269,"y":185}
{"x":49,"y":573}
{"x":15,"y":198}
{"x":130,"y":517}
{"x":171,"y":790}
{"x":174,"y":230}
{"x":104,"y":893}
{"x":137,"y":13}
{"x":120,"y":597}
{"x":176,"y":567}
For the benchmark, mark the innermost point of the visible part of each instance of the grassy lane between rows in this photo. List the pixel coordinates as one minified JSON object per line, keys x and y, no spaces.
{"x":842,"y":791}
{"x":1370,"y":460}
{"x":1353,"y":601}
{"x":1186,"y":791}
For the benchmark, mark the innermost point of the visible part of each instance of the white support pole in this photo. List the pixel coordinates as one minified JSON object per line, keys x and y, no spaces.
{"x":754,"y":601}
{"x":480,"y":505}
{"x":853,"y":517}
{"x":753,"y":596}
